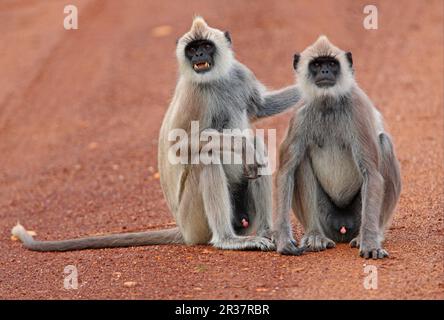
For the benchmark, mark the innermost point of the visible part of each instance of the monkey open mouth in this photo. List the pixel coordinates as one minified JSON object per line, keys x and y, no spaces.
{"x":201,"y":66}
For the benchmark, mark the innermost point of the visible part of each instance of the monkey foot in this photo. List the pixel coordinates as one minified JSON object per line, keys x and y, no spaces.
{"x":289,"y":247}
{"x":317,"y":242}
{"x":355,"y":242}
{"x":377,"y":253}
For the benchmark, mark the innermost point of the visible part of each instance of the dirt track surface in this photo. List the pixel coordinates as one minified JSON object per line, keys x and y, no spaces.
{"x":79,"y":117}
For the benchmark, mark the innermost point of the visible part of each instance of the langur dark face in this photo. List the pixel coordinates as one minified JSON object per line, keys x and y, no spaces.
{"x":324,"y":71}
{"x":200,"y":53}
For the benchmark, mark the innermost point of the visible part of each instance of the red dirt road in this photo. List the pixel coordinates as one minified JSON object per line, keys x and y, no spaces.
{"x":79,"y":117}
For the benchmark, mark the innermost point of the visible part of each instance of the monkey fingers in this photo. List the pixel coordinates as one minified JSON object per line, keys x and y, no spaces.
{"x":355,"y":242}
{"x":289,"y":247}
{"x":251,"y":171}
{"x":317,"y":242}
{"x":378,"y":253}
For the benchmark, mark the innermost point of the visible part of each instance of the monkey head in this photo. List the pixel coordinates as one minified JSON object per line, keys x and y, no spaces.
{"x":324,"y":70}
{"x":204,"y":53}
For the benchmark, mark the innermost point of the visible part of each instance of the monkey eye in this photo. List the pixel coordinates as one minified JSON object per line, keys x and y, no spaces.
{"x":332,"y":64}
{"x":191,"y":50}
{"x":208,"y":46}
{"x":317,"y":64}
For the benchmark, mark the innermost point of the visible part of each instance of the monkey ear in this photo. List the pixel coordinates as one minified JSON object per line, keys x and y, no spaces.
{"x":228,"y":36}
{"x":349,"y":58}
{"x":296,"y":58}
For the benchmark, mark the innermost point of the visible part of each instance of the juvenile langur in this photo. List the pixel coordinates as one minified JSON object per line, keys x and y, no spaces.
{"x":338,"y":170}
{"x":227,"y":205}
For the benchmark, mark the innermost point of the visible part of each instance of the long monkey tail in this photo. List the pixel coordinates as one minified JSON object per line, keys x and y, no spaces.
{"x":166,"y":236}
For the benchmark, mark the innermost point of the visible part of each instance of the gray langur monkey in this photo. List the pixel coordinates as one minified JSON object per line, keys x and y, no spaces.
{"x":211,"y":203}
{"x":338,"y":170}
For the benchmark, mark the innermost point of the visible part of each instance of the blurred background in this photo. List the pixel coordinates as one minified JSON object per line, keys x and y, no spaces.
{"x":80,"y":112}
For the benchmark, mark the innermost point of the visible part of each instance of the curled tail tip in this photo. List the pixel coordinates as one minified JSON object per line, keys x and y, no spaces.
{"x":17,"y":230}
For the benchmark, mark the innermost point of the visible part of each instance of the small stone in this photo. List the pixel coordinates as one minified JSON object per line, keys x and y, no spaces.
{"x":93,"y":145}
{"x":161,"y":31}
{"x":130,"y":284}
{"x":116,"y":275}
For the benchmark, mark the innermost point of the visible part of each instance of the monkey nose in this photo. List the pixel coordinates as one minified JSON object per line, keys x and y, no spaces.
{"x":343,"y":230}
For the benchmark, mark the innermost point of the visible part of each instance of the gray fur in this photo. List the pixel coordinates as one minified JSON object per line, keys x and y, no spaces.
{"x":200,"y":196}
{"x":226,"y":102}
{"x":337,"y":166}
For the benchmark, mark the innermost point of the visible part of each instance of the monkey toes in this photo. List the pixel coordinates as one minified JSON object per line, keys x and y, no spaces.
{"x":317,"y":242}
{"x":289,"y":247}
{"x":355,"y":243}
{"x":265,"y":244}
{"x":369,"y":251}
{"x":377,"y":253}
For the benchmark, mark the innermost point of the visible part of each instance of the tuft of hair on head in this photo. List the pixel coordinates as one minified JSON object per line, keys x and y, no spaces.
{"x":199,"y":24}
{"x":223,"y":56}
{"x":322,"y":47}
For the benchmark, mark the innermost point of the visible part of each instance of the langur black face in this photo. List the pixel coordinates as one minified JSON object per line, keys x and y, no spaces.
{"x":324,"y":71}
{"x":200,"y":53}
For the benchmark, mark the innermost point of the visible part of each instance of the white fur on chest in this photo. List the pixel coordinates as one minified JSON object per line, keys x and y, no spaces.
{"x":336,"y":172}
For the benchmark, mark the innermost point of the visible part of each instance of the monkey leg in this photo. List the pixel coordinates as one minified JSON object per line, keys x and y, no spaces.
{"x":390,"y":171}
{"x":190,"y":216}
{"x":282,"y":233}
{"x":218,"y":210}
{"x":310,"y":202}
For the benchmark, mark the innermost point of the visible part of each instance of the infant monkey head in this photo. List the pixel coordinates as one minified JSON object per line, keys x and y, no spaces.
{"x":204,"y":53}
{"x":324,"y":70}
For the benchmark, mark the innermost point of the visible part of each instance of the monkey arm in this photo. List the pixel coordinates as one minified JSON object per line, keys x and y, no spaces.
{"x":290,"y":161}
{"x":274,"y":102}
{"x":372,"y":190}
{"x":291,"y":155}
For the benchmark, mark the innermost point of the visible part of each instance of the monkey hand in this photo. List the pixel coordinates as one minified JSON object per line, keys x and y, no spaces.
{"x":251,"y":171}
{"x":355,"y":242}
{"x":315,"y":241}
{"x":371,"y":250}
{"x":288,"y":247}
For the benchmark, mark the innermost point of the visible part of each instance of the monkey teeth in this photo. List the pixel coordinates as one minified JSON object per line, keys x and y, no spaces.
{"x":201,"y":66}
